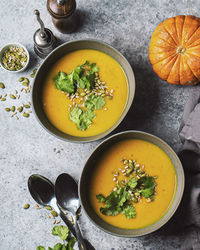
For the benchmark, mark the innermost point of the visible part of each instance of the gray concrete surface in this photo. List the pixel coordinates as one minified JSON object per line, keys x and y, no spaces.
{"x":26,"y":148}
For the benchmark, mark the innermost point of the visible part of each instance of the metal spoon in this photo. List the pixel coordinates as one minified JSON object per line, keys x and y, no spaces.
{"x":42,"y":191}
{"x":66,"y":191}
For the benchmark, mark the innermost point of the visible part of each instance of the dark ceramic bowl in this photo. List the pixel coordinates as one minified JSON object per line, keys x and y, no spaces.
{"x":89,"y":169}
{"x":53,"y":58}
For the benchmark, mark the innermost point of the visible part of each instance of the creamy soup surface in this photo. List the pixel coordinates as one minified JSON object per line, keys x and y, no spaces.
{"x":56,"y":103}
{"x":156,"y":163}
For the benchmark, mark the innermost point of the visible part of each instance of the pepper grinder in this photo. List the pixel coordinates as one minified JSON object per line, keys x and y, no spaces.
{"x":63,"y":15}
{"x":44,"y":40}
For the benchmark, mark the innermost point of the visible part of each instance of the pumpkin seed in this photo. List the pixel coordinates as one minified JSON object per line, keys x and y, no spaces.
{"x":26,"y":206}
{"x":27,"y":106}
{"x":12,"y":96}
{"x":83,"y":94}
{"x":3,"y":99}
{"x":7,"y":109}
{"x":48,"y":208}
{"x":25,"y":84}
{"x":0,"y":96}
{"x":21,"y":79}
{"x":2,"y":86}
{"x":35,"y":70}
{"x":26,"y":115}
{"x":13,"y":109}
{"x":110,"y":97}
{"x":20,"y":109}
{"x":54,"y":213}
{"x":32,"y":75}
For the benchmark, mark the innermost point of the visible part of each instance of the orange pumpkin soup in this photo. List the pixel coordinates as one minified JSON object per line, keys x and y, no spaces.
{"x":57,"y":105}
{"x":110,"y":170}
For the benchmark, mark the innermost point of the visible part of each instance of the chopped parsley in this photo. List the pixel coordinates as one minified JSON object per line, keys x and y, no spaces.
{"x":128,"y":191}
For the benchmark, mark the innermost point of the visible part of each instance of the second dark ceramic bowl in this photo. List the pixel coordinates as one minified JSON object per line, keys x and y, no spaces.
{"x":53,"y":58}
{"x":89,"y":169}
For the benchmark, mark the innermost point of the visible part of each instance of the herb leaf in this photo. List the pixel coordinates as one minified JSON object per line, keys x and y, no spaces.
{"x":101,"y":198}
{"x":58,"y":246}
{"x":129,"y":211}
{"x":132,"y":183}
{"x":81,"y":117}
{"x":61,"y":231}
{"x":95,"y":102}
{"x":114,"y":202}
{"x":64,"y":82}
{"x":49,"y":248}
{"x":71,"y":243}
{"x":40,"y":248}
{"x":149,"y":186}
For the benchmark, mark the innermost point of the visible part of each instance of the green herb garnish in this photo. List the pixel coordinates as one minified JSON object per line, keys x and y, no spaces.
{"x":82,"y":76}
{"x":127,"y":192}
{"x":95,"y":102}
{"x":82,"y":118}
{"x":63,"y":233}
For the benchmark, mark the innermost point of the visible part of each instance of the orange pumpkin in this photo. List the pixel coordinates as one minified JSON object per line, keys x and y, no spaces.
{"x":174,"y":50}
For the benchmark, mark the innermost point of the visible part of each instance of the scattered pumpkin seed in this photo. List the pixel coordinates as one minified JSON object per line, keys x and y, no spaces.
{"x":32,"y":75}
{"x":7,"y":109}
{"x":21,"y":79}
{"x":35,"y":70}
{"x":26,"y":206}
{"x":13,"y":109}
{"x":0,"y":96}
{"x":54,"y":221}
{"x":58,"y":221}
{"x":2,"y":86}
{"x":20,"y":109}
{"x":3,"y":99}
{"x":26,"y":115}
{"x":83,"y":94}
{"x":25,"y":84}
{"x":13,"y":114}
{"x":12,"y":96}
{"x":26,"y":106}
{"x":54,"y":213}
{"x":110,"y":97}
{"x":5,"y":95}
{"x":48,"y":208}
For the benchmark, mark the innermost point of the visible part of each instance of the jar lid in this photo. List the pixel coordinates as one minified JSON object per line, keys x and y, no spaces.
{"x":61,"y":8}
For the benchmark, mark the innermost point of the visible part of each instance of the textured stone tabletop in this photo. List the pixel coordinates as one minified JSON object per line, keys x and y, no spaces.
{"x":26,"y":148}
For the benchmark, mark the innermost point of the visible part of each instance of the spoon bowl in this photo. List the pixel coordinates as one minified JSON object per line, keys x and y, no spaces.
{"x":41,"y":189}
{"x":67,"y":193}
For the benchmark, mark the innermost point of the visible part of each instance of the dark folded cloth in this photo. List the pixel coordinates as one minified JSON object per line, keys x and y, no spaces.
{"x":190,"y":157}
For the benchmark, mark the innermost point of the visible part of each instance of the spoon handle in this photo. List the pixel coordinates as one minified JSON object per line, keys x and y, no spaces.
{"x":79,"y":237}
{"x":68,"y":223}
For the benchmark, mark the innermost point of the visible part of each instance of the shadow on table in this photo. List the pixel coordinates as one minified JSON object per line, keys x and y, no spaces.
{"x":180,"y":221}
{"x":145,"y":101}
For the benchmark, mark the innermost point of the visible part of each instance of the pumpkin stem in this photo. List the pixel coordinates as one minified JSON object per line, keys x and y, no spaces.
{"x":181,"y":50}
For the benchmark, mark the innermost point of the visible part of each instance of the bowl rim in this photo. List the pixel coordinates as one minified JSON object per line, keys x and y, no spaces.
{"x":8,"y":45}
{"x":182,"y":176}
{"x":77,"y":139}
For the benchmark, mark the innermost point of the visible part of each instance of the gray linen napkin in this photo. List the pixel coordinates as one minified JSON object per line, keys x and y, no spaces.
{"x":190,"y":157}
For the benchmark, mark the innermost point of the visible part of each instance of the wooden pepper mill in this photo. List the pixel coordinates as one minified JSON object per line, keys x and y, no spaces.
{"x":63,"y":14}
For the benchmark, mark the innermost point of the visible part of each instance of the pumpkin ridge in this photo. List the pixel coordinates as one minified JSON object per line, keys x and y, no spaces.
{"x":191,"y":70}
{"x":178,"y":66}
{"x":179,"y":34}
{"x":172,"y":56}
{"x":176,"y":30}
{"x":182,"y":31}
{"x":188,"y":52}
{"x":164,"y":58}
{"x":170,"y":34}
{"x":166,"y":42}
{"x":191,"y":45}
{"x":191,"y":36}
